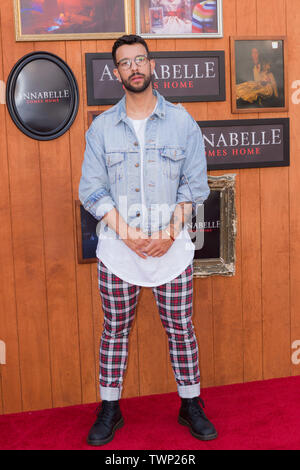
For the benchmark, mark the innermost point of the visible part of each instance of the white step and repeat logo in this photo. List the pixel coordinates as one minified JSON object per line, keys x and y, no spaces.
{"x":2,"y":352}
{"x":2,"y":92}
{"x":296,"y":94}
{"x":296,"y":353}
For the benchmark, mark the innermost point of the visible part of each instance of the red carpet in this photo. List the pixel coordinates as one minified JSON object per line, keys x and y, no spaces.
{"x":258,"y":415}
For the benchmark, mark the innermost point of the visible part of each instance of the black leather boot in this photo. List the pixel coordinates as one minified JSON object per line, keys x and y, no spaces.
{"x":192,"y":415}
{"x":109,"y":419}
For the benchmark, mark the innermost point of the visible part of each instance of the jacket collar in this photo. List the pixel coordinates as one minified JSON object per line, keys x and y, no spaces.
{"x":160,"y":109}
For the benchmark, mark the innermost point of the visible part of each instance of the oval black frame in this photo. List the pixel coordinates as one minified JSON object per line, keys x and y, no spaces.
{"x":10,"y":91}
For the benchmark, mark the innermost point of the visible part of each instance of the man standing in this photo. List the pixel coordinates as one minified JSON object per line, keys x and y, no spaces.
{"x":144,"y":172}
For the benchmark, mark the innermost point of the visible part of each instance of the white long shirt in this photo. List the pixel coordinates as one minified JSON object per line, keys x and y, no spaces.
{"x":126,"y":264}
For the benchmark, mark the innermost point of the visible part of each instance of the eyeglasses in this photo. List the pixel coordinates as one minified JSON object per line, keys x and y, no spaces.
{"x":139,"y":60}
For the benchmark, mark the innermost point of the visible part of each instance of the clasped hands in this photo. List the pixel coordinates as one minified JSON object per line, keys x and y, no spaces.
{"x":156,"y":245}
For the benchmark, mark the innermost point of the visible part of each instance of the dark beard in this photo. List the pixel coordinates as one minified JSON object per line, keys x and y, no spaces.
{"x":131,"y":88}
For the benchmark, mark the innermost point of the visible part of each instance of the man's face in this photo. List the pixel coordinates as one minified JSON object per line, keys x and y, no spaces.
{"x":137,"y":78}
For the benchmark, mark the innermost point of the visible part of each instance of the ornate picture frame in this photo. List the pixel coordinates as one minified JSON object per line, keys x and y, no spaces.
{"x":59,"y":20}
{"x":223,"y":231}
{"x":179,"y":18}
{"x":259,"y":81}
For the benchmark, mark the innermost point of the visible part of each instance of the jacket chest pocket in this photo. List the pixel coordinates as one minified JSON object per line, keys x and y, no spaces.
{"x":171,"y":161}
{"x":115,"y":166}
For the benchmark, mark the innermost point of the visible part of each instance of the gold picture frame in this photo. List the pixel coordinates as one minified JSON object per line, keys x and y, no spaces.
{"x":175,"y":19}
{"x":259,"y":74}
{"x":224,"y":263}
{"x":32,"y":18}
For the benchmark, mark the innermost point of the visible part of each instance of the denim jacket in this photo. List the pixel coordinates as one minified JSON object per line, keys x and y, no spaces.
{"x":174,"y":168}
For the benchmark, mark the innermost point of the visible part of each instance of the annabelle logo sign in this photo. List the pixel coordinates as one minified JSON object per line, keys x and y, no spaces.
{"x":42,"y":96}
{"x":51,"y":96}
{"x":179,"y":76}
{"x":246,"y":143}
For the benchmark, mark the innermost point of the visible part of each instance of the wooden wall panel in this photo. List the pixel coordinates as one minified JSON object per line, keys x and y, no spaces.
{"x":89,"y":274}
{"x":5,"y":223}
{"x":11,"y":390}
{"x":28,"y":243}
{"x":75,"y":59}
{"x":50,"y":309}
{"x":293,"y":21}
{"x":275,"y":221}
{"x":250,"y":229}
{"x":58,"y":224}
{"x":227,"y":309}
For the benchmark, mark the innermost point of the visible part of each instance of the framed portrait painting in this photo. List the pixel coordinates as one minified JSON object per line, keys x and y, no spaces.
{"x":259,"y":74}
{"x":46,"y":20}
{"x":179,"y":18}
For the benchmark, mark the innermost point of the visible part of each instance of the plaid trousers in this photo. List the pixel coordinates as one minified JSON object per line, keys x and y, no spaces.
{"x":174,"y":301}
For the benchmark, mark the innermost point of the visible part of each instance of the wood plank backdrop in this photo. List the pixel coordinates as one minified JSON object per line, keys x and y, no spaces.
{"x":50,"y":309}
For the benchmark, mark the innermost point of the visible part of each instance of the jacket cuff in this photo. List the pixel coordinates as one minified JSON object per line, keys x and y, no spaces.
{"x":99,"y":203}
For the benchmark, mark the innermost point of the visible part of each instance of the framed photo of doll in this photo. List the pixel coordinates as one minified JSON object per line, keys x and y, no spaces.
{"x":179,"y":18}
{"x":259,"y":74}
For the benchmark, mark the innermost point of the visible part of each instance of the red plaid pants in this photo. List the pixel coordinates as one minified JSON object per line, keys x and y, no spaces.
{"x":174,"y":301}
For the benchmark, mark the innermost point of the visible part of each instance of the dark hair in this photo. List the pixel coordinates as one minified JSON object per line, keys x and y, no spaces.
{"x":128,"y":39}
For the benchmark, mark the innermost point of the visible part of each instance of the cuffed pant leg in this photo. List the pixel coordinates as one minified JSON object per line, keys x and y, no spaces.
{"x":175,"y":304}
{"x":119,"y":300}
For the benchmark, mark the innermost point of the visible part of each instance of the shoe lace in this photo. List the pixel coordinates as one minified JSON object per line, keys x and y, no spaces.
{"x":196,"y":408}
{"x":103,"y":413}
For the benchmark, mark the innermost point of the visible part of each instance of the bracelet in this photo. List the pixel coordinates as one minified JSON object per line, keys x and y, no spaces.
{"x":172,"y":238}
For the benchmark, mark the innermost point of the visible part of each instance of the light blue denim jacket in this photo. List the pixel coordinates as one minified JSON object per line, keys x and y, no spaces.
{"x":174,"y":168}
